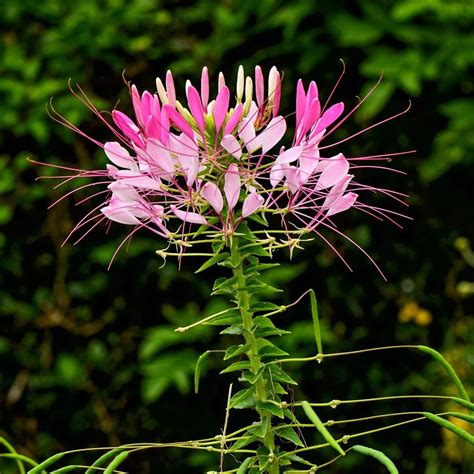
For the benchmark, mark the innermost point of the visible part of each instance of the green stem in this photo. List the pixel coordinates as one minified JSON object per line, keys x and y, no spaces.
{"x":261,"y":391}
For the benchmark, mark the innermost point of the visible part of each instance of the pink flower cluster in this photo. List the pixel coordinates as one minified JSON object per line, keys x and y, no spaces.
{"x":217,"y":162}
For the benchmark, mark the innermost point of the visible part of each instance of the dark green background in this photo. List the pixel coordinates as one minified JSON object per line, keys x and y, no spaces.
{"x":89,"y":356}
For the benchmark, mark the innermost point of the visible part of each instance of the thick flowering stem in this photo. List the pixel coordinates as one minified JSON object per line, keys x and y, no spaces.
{"x":261,"y":394}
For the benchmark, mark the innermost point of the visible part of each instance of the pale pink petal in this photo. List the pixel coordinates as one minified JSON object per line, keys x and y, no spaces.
{"x":139,"y":180}
{"x":117,"y":211}
{"x":170,"y":90}
{"x":179,"y":121}
{"x":336,"y":192}
{"x":342,"y":204}
{"x":259,"y":86}
{"x":333,"y":173}
{"x":252,"y":203}
{"x":231,"y":145}
{"x":290,"y":155}
{"x":212,"y":194}
{"x":293,"y":178}
{"x":160,"y":155}
{"x":184,"y":148}
{"x":232,"y":185}
{"x":234,"y":119}
{"x":204,"y":86}
{"x":125,"y":193}
{"x":192,"y":171}
{"x":118,"y":155}
{"x":246,"y":131}
{"x":221,"y":107}
{"x":276,"y":174}
{"x":330,"y":116}
{"x":277,"y":96}
{"x":270,"y":136}
{"x":195,"y":105}
{"x":187,"y":216}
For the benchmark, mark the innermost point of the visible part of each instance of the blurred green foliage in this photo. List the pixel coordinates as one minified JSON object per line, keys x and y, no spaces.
{"x":90,"y":357}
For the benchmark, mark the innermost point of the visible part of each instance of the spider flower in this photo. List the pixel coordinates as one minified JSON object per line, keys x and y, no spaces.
{"x":179,"y":163}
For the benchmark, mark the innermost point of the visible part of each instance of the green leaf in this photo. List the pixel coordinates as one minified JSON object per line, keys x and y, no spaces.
{"x":244,"y":441}
{"x":290,"y":434}
{"x":223,"y":320}
{"x":259,"y":429}
{"x":315,"y":316}
{"x":235,"y":330}
{"x":449,"y":369}
{"x":212,"y":261}
{"x":270,"y":350}
{"x":119,"y":459}
{"x":251,"y":377}
{"x":450,"y":426}
{"x":267,"y":307}
{"x":235,"y":350}
{"x":242,"y":365}
{"x":197,"y":370}
{"x":271,"y":408}
{"x":378,"y":455}
{"x":311,"y":414}
{"x":243,"y":399}
{"x":278,"y":375}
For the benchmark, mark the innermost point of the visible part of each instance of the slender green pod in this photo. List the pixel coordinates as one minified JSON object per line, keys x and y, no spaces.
{"x":450,"y":426}
{"x":197,"y":370}
{"x":119,"y":459}
{"x":103,"y":459}
{"x":244,"y":466}
{"x":378,"y":455}
{"x":11,"y":449}
{"x":311,"y":414}
{"x":315,"y":316}
{"x":42,"y":466}
{"x":449,"y":369}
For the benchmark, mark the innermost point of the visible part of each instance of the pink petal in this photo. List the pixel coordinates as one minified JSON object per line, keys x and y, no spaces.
{"x":234,"y":119}
{"x":232,"y":185}
{"x":118,"y":155}
{"x":212,"y":194}
{"x":165,"y":127}
{"x":277,"y":96}
{"x":252,"y":202}
{"x":147,"y":104}
{"x":152,"y":127}
{"x":179,"y":121}
{"x":300,"y":102}
{"x":187,"y":216}
{"x":137,"y":105}
{"x":129,"y":129}
{"x":204,"y":87}
{"x":333,"y":173}
{"x":221,"y":107}
{"x":330,"y":116}
{"x":342,"y":204}
{"x":231,"y":145}
{"x":259,"y":86}
{"x":195,"y":105}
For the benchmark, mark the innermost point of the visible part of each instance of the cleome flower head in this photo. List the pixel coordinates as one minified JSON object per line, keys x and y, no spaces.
{"x":204,"y":163}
